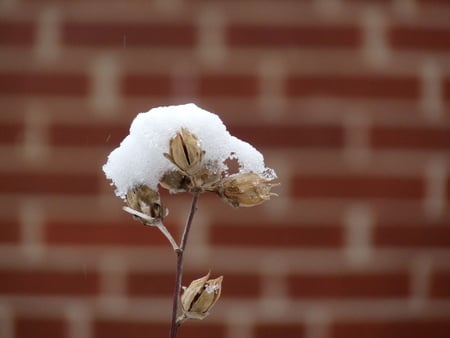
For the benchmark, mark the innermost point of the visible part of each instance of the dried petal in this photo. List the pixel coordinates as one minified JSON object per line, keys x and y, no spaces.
{"x":246,"y":189}
{"x":147,"y":201}
{"x":185,"y":152}
{"x":200,"y":296}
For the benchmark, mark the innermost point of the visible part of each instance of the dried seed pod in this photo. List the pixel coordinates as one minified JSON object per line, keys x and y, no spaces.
{"x":200,"y":296}
{"x":175,"y":181}
{"x":207,"y":178}
{"x":147,"y":201}
{"x":185,"y":152}
{"x":245,"y":189}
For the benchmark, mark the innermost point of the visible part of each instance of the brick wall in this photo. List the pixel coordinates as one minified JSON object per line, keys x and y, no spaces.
{"x":349,"y":100}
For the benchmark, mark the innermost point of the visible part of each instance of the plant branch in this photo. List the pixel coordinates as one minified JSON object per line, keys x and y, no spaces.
{"x":179,"y":272}
{"x":187,"y":228}
{"x":153,"y":222}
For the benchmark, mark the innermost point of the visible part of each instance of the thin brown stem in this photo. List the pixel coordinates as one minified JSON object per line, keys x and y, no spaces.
{"x":153,"y":222}
{"x":179,"y":272}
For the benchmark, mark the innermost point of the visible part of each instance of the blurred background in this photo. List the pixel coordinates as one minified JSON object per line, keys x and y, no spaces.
{"x":348,"y":100}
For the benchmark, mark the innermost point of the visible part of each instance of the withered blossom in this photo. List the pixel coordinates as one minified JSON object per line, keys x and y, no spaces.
{"x":199,"y":297}
{"x":147,"y":201}
{"x":188,"y":157}
{"x":175,"y":181}
{"x":245,"y":189}
{"x":185,"y":152}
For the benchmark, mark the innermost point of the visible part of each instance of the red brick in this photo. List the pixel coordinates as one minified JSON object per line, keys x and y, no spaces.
{"x":440,"y":282}
{"x":139,"y":329}
{"x":290,"y":136}
{"x":408,"y":328}
{"x":448,"y":188}
{"x":130,"y":329}
{"x":370,"y":1}
{"x":425,"y":138}
{"x":350,"y":285}
{"x":293,"y":36}
{"x":375,"y":87}
{"x":43,"y":183}
{"x":17,"y":33}
{"x":432,"y":2}
{"x":11,"y":133}
{"x":269,"y":330}
{"x":420,"y":38}
{"x":145,"y":284}
{"x":358,"y":186}
{"x":228,"y":85}
{"x":86,"y":135}
{"x":9,"y":232}
{"x":35,"y":83}
{"x":27,"y":327}
{"x":110,"y":234}
{"x":131,"y":34}
{"x":241,"y":286}
{"x":412,"y":236}
{"x":282,"y":235}
{"x":146,"y":85}
{"x":446,"y":89}
{"x":203,"y":329}
{"x":42,"y":282}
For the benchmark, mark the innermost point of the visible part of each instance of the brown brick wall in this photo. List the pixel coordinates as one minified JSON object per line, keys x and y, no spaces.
{"x":348,"y":100}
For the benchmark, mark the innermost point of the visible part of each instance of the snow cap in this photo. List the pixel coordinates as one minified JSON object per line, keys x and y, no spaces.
{"x":140,"y":159}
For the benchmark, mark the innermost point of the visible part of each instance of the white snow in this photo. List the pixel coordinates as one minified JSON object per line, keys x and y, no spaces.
{"x":139,"y":159}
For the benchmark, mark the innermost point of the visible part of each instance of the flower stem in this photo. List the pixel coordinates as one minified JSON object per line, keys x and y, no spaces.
{"x":153,"y":222}
{"x":179,"y":271}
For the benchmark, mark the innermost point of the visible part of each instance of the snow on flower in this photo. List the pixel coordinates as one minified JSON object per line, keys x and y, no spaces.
{"x":184,"y":147}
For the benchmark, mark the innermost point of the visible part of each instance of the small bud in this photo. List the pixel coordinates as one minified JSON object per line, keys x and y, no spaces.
{"x":147,"y":201}
{"x":185,"y":152}
{"x":245,"y":189}
{"x":199,"y":297}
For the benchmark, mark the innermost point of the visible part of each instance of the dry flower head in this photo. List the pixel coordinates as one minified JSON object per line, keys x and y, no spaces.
{"x":185,"y":152}
{"x":147,"y":201}
{"x":199,"y":297}
{"x":246,"y":189}
{"x":193,"y":173}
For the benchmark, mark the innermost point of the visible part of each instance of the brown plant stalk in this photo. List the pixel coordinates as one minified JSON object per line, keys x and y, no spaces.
{"x":179,"y":269}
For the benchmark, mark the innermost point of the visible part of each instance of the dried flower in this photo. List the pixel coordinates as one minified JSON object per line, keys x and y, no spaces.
{"x":186,"y":153}
{"x":199,"y":297}
{"x":207,"y":178}
{"x":175,"y":181}
{"x":192,"y":172}
{"x":245,"y":189}
{"x":146,"y":201}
